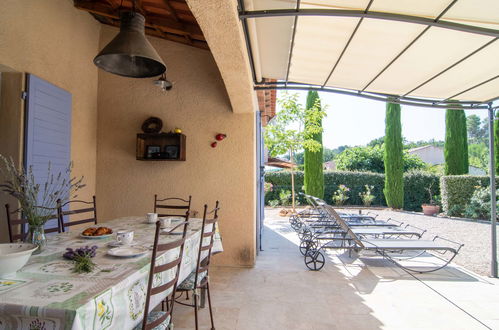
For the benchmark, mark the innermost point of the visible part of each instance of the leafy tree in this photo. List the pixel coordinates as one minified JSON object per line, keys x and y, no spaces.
{"x":416,"y":144}
{"x":376,"y":142}
{"x":287,"y":132}
{"x":473,"y":125}
{"x":479,"y":155}
{"x":455,"y":150}
{"x":394,"y":171}
{"x":371,"y":159}
{"x":329,"y":154}
{"x":314,"y":170}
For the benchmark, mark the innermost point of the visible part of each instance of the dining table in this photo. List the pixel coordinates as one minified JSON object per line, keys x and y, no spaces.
{"x":47,"y":294}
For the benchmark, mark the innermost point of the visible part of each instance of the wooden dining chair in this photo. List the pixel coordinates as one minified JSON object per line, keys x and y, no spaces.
{"x":172,"y":206}
{"x":163,"y":319}
{"x":199,"y":279}
{"x":92,"y":210}
{"x":20,"y":234}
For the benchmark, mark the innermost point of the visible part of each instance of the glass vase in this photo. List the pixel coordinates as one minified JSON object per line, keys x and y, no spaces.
{"x":36,"y":235}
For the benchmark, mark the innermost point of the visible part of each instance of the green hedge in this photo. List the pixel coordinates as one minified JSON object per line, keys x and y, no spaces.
{"x":415,"y":193}
{"x":457,"y":191}
{"x":415,"y":183}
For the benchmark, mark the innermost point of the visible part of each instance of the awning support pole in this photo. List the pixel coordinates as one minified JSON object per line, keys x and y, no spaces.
{"x":493,"y":203}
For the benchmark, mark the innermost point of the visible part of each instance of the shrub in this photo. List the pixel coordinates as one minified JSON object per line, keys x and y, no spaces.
{"x":285,"y":197}
{"x":479,"y":205}
{"x":281,"y":180}
{"x":355,"y":181}
{"x":341,"y":195}
{"x":456,"y":191}
{"x":274,"y":203}
{"x":366,"y":196}
{"x":415,"y":189}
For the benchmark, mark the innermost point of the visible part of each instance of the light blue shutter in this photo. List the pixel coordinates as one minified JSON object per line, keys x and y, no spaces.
{"x":47,"y":129}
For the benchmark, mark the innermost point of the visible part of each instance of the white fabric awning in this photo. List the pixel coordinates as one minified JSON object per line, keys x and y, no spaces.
{"x":430,"y":49}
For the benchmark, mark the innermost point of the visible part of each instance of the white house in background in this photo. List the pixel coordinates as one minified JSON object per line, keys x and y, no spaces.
{"x":435,"y":156}
{"x":429,"y":154}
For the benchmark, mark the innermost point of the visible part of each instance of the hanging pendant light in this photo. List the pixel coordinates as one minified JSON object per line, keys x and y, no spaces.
{"x":130,"y":54}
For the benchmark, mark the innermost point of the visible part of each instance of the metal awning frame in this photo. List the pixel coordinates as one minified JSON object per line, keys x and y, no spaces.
{"x":400,"y":99}
{"x":422,"y":102}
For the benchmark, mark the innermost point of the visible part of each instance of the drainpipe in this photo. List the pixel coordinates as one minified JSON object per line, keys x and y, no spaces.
{"x":493,"y":203}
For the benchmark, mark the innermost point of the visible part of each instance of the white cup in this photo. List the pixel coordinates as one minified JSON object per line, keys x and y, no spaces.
{"x":165,"y":222}
{"x":152,"y":217}
{"x":125,"y":237}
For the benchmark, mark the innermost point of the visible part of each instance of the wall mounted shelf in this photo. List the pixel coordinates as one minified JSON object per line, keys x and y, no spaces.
{"x":161,"y":146}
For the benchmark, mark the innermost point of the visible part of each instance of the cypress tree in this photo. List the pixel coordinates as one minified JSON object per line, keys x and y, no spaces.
{"x":456,"y":145}
{"x":464,"y":132}
{"x":393,"y":157}
{"x":314,"y":171}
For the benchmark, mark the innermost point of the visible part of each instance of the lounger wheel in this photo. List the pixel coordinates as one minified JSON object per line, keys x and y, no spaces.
{"x":304,"y":234}
{"x":314,"y":260}
{"x":306,"y":245}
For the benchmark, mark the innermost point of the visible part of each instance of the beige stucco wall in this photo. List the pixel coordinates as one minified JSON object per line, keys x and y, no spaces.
{"x":198,"y":103}
{"x":55,"y":41}
{"x":222,"y":29}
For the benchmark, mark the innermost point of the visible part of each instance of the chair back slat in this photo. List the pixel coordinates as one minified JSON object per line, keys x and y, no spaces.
{"x":167,"y":266}
{"x":12,"y":222}
{"x":156,"y":269}
{"x":163,"y":287}
{"x":207,"y":247}
{"x":173,"y":207}
{"x":89,"y":209}
{"x":175,"y":204}
{"x":63,"y":214}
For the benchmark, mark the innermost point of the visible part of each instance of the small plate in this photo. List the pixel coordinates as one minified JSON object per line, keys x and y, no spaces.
{"x":116,"y":244}
{"x":95,"y":237}
{"x":127,"y":251}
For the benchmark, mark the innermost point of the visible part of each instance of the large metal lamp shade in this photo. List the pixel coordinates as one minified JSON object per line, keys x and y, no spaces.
{"x":130,"y":54}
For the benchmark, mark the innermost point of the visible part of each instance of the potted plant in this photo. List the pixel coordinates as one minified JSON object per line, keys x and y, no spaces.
{"x":37,"y":201}
{"x":433,"y":207}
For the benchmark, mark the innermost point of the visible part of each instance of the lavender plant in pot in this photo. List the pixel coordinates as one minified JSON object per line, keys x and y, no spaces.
{"x":433,"y":207}
{"x":38,"y":202}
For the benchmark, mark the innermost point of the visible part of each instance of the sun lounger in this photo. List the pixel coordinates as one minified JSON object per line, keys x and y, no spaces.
{"x":314,"y":258}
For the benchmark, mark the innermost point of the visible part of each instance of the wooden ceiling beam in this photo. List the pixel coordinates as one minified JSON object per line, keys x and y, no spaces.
{"x":157,"y":32}
{"x":167,"y":24}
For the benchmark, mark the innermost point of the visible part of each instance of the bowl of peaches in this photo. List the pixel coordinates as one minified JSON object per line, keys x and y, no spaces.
{"x":96,"y":232}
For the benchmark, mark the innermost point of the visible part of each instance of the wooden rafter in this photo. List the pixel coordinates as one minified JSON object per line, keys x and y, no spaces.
{"x":167,"y":19}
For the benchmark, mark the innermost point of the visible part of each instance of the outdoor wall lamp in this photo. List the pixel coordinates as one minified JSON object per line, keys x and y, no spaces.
{"x":163,"y":83}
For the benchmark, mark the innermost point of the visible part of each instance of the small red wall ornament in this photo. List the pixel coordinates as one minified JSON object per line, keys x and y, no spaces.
{"x":213,"y":144}
{"x":220,"y":136}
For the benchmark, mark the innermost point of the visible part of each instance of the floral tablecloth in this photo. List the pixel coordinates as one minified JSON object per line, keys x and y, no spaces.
{"x":46,"y":294}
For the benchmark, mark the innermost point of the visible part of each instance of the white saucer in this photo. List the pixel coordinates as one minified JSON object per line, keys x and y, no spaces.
{"x":116,"y":244}
{"x":127,"y":251}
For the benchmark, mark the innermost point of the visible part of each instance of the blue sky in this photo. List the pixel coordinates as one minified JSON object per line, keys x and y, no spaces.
{"x":356,"y":121}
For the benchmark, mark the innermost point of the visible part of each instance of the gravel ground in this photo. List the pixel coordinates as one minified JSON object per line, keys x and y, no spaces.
{"x":475,"y":254}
